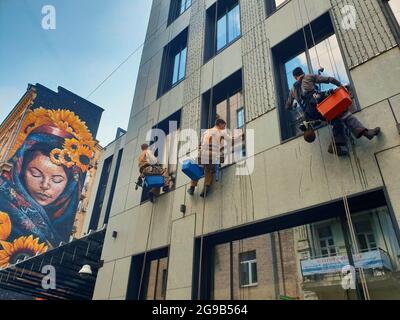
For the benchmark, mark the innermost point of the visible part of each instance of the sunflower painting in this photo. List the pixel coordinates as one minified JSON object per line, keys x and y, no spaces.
{"x":39,"y":197}
{"x":20,"y":249}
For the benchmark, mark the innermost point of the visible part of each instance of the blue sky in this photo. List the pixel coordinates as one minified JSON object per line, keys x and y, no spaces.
{"x":91,"y":38}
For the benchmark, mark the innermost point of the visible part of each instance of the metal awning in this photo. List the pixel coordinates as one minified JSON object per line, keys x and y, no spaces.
{"x":25,"y":277}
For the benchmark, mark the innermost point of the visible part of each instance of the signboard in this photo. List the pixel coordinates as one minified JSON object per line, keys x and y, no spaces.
{"x":365,"y":260}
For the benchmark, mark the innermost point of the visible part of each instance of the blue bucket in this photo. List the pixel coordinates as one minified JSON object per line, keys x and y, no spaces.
{"x":154,"y":181}
{"x":192,"y":170}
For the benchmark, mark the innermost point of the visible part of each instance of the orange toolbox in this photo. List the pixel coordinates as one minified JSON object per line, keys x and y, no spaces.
{"x":335,"y":105}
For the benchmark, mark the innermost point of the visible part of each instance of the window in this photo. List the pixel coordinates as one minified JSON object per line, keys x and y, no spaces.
{"x":282,"y":255}
{"x":240,"y":118}
{"x":100,"y":195}
{"x":179,"y":66}
{"x":227,"y":104}
{"x":222,"y":27}
{"x":391,"y":9}
{"x":177,"y":8}
{"x":148,"y":276}
{"x":294,"y":52}
{"x":228,"y":28}
{"x":395,"y":7}
{"x":365,"y":236}
{"x":173,"y":68}
{"x":166,"y":153}
{"x":272,"y":5}
{"x":113,"y":185}
{"x":248,"y":269}
{"x":326,"y":242}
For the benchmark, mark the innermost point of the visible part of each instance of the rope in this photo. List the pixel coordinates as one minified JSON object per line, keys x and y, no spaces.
{"x":344,"y":196}
{"x":153,"y":205}
{"x":145,"y":253}
{"x":312,"y":32}
{"x":210,"y":106}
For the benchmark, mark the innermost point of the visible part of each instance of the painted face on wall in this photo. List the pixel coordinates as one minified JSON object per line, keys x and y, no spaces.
{"x":45,"y":181}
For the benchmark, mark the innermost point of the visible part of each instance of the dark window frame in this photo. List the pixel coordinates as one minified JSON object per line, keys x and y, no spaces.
{"x":222,"y":91}
{"x":162,"y":125}
{"x":391,"y":19}
{"x":135,"y":291}
{"x":175,"y":46}
{"x":101,"y":193}
{"x":333,"y":209}
{"x":212,"y":18}
{"x":323,"y":28}
{"x":249,"y":263}
{"x":113,"y":185}
{"x":175,"y":10}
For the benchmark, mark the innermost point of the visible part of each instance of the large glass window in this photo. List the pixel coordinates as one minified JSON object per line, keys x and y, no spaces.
{"x":173,"y":68}
{"x":228,"y":27}
{"x":222,"y":26}
{"x":166,"y":152}
{"x":227,"y":104}
{"x":308,"y":261}
{"x":298,"y":52}
{"x":148,"y":276}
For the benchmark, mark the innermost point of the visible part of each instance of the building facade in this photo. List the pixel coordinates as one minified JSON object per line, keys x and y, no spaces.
{"x":301,"y":225}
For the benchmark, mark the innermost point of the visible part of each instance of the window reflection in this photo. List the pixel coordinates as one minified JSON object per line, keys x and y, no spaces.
{"x":185,"y":4}
{"x":179,"y":66}
{"x":228,"y":27}
{"x":395,"y":6}
{"x":329,"y":57}
{"x":306,"y":262}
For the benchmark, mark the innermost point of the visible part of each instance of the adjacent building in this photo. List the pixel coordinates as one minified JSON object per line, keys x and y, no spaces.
{"x":293,"y":227}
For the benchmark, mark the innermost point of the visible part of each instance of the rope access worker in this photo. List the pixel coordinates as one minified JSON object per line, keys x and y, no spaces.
{"x":211,"y":154}
{"x":149,"y":166}
{"x":305,"y":91}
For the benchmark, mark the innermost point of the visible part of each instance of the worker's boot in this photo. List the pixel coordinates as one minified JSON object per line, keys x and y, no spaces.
{"x":372,"y":133}
{"x":206,"y":191}
{"x":341,"y":151}
{"x":166,"y":189}
{"x":191,"y":190}
{"x":152,"y":197}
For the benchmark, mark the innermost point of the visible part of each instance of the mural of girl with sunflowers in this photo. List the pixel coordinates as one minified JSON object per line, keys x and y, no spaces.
{"x":40,"y":195}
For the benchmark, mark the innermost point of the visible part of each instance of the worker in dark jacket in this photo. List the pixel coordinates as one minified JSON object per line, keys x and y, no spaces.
{"x":305,"y":92}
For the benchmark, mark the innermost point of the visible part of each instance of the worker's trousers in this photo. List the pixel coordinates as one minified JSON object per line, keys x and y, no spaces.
{"x":338,"y":125}
{"x":209,"y":173}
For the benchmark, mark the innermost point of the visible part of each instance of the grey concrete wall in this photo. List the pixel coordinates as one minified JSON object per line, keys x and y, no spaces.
{"x":288,"y":176}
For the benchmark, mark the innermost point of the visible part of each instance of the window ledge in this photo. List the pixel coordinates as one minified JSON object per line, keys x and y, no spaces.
{"x":222,"y":49}
{"x":250,"y":285}
{"x":172,"y":87}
